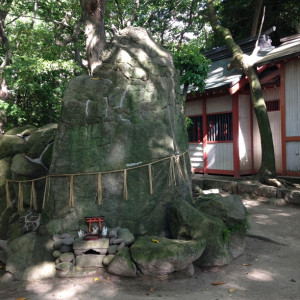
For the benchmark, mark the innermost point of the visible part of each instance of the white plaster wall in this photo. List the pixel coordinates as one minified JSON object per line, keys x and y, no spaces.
{"x":292,"y":98}
{"x":196,"y":155}
{"x":293,"y":156}
{"x":219,"y":104}
{"x":193,"y":108}
{"x":244,"y":132}
{"x":220,"y":156}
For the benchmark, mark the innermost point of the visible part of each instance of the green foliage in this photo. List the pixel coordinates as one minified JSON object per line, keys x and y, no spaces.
{"x":42,"y":64}
{"x":188,"y":122}
{"x":39,"y":69}
{"x":192,"y":65}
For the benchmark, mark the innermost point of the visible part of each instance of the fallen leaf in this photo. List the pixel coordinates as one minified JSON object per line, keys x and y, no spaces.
{"x":246,"y":265}
{"x":22,"y":298}
{"x":218,"y":282}
{"x":95,"y":78}
{"x":155,"y":241}
{"x":96,"y":279}
{"x":151,"y":290}
{"x":232,"y":290}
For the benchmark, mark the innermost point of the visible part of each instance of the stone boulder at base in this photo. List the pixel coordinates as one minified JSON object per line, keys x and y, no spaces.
{"x":158,"y":256}
{"x":230,"y":209}
{"x":186,"y":222}
{"x":12,"y":142}
{"x":29,"y":257}
{"x":122,"y":265}
{"x":25,"y":154}
{"x":126,"y":115}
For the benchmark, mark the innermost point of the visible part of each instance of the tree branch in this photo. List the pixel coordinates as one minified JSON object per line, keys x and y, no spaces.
{"x":256,"y":14}
{"x":133,"y":15}
{"x":256,"y":48}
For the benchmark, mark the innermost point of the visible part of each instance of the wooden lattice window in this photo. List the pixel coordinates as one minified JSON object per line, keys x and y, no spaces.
{"x":219,"y":127}
{"x":195,"y":130}
{"x":273,"y":105}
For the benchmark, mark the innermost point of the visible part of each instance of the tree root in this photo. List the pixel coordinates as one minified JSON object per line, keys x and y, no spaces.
{"x":272,"y":182}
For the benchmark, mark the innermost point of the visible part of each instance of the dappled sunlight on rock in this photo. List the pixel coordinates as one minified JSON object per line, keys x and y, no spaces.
{"x":41,"y":271}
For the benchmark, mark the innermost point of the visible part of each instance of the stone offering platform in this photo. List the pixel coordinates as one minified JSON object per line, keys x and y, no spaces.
{"x":100,"y":246}
{"x":90,"y":253}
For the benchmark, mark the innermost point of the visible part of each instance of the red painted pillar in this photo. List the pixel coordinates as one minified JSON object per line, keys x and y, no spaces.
{"x":283,"y":120}
{"x":235,"y":125}
{"x":252,"y":143}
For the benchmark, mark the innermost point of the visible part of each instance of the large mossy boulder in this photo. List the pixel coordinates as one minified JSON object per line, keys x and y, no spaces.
{"x":126,"y":115}
{"x":186,"y":222}
{"x":122,"y":264}
{"x":25,"y":155}
{"x":29,"y":257}
{"x":230,"y":209}
{"x":5,"y":173}
{"x":12,"y":142}
{"x":158,"y":256}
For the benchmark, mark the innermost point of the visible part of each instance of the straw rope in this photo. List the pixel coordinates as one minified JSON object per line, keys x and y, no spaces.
{"x":184,"y":165}
{"x":150,"y":179}
{"x":99,"y":189}
{"x":8,"y":198}
{"x":20,"y":197}
{"x":71,"y":201}
{"x":174,"y":160}
{"x":33,"y":204}
{"x":172,"y":177}
{"x":47,"y":187}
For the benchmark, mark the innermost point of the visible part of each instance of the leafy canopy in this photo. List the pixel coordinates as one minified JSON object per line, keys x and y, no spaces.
{"x":193,"y":66}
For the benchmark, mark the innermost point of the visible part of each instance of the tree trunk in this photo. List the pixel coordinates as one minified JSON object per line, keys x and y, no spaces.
{"x":185,"y":90}
{"x":267,"y":171}
{"x":93,"y":19}
{"x":257,"y":9}
{"x":6,"y":48}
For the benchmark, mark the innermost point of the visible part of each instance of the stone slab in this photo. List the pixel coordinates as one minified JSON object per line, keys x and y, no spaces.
{"x":102,"y":243}
{"x":89,"y":260}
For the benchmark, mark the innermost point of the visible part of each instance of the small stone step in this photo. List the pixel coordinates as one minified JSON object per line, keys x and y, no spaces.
{"x":89,"y":260}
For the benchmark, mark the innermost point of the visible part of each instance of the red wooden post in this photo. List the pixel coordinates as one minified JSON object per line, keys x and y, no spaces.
{"x":235,"y":124}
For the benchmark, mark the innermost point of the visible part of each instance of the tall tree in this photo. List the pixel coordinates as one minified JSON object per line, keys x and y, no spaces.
{"x":94,"y":30}
{"x":4,"y":9}
{"x":267,"y":171}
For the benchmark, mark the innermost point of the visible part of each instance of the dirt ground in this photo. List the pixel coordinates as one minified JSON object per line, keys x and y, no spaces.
{"x":269,"y":269}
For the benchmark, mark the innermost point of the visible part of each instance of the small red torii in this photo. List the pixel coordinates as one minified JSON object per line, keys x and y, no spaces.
{"x":91,"y":220}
